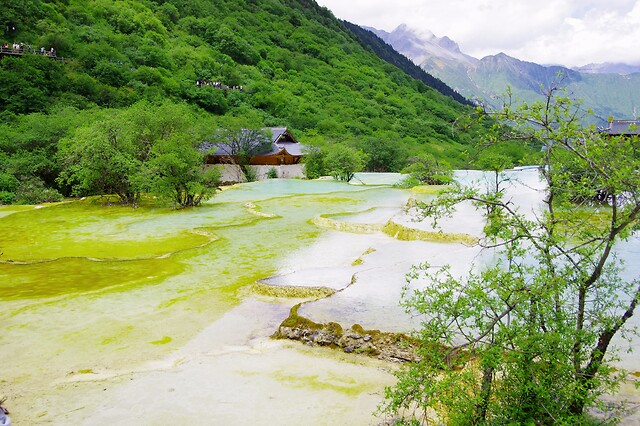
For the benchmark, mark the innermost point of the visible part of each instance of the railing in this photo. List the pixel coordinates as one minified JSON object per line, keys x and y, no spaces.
{"x":21,"y":51}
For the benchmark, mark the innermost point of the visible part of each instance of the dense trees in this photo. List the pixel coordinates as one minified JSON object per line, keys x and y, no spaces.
{"x":527,"y":339}
{"x":144,"y":148}
{"x":299,"y":67}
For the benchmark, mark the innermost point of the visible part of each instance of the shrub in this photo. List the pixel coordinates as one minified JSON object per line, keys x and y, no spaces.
{"x":272,"y":173}
{"x":33,"y":191}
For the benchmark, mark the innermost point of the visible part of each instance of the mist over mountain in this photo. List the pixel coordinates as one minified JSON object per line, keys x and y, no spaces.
{"x":609,"y":90}
{"x":609,"y":68}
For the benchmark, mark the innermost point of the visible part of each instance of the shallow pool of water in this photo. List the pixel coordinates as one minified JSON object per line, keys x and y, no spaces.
{"x":113,"y":315}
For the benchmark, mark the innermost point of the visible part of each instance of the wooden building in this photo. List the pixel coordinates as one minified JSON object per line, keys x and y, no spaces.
{"x":622,"y":128}
{"x":285,"y":150}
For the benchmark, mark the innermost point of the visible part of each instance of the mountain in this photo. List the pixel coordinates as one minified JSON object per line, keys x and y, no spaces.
{"x":607,"y":89}
{"x":422,"y":47}
{"x":608,"y":68}
{"x":392,"y":56}
{"x":265,"y":62}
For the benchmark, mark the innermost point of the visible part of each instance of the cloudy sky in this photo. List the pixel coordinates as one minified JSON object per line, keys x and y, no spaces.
{"x":567,"y":32}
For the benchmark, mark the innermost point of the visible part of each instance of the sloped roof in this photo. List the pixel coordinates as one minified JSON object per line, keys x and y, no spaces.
{"x":281,"y":134}
{"x":281,"y":139}
{"x":623,"y":127}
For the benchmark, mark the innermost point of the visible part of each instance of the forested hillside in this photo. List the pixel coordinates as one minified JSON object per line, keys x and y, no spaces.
{"x":264,"y":63}
{"x":386,"y":52}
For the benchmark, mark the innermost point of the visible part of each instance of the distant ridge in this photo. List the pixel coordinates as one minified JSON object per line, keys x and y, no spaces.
{"x":609,"y":90}
{"x":609,"y":68}
{"x":389,"y":54}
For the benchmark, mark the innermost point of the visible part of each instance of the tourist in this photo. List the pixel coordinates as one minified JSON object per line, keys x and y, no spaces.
{"x":4,"y":419}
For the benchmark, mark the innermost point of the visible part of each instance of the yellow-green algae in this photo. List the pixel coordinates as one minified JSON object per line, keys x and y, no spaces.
{"x":87,"y":230}
{"x":163,"y":341}
{"x":326,"y":382}
{"x":291,"y":291}
{"x":360,"y":260}
{"x":74,"y":313}
{"x":428,"y":189}
{"x":404,"y":233}
{"x":78,"y":275}
{"x":394,"y":230}
{"x":7,"y":210}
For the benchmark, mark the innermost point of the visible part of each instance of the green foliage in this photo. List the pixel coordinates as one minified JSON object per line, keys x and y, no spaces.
{"x":34,"y":191}
{"x":384,"y":155}
{"x":297,"y":64}
{"x":144,"y":148}
{"x":343,"y":162}
{"x":527,"y":339}
{"x":240,"y":144}
{"x":8,"y":186}
{"x":314,"y":163}
{"x":496,"y":163}
{"x":175,"y":173}
{"x":272,"y":173}
{"x":426,"y":170}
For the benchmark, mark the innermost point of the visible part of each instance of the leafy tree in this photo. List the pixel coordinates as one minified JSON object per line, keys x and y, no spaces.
{"x":298,"y":65}
{"x":8,"y":186}
{"x":343,"y":162}
{"x":527,"y":340}
{"x":427,"y":170}
{"x":145,"y":147}
{"x":34,"y":191}
{"x":177,"y":174}
{"x":496,"y":163}
{"x":15,"y":14}
{"x":314,"y":163}
{"x":241,"y":144}
{"x":100,"y":159}
{"x":384,"y":154}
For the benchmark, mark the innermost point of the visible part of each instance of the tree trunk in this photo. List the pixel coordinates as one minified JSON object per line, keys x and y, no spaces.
{"x":480,"y":415}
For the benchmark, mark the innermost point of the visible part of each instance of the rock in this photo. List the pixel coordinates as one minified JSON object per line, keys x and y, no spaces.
{"x":394,"y":347}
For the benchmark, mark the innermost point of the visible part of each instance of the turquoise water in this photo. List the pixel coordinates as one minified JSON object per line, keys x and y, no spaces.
{"x":87,"y":287}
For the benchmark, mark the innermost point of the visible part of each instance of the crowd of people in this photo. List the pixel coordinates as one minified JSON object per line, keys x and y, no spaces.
{"x":217,"y":85}
{"x":21,"y":48}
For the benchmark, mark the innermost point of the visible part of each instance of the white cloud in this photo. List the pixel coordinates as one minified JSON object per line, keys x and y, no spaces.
{"x":568,"y":32}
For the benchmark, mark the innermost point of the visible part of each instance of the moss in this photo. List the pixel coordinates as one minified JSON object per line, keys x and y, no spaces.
{"x":291,"y":291}
{"x":334,"y":328}
{"x":358,"y":329}
{"x":163,"y":341}
{"x":373,"y":343}
{"x":409,"y":234}
{"x":360,"y":260}
{"x":323,"y":221}
{"x":428,"y":189}
{"x":80,"y":229}
{"x":327,"y":382}
{"x":296,"y":321}
{"x":78,"y":275}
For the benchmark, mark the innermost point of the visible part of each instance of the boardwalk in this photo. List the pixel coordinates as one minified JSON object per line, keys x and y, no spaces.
{"x":16,"y":51}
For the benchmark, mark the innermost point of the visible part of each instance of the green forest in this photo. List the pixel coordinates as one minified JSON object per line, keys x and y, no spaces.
{"x":132,"y":66}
